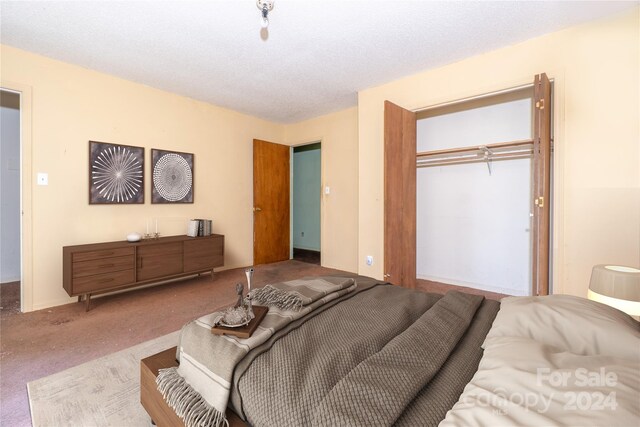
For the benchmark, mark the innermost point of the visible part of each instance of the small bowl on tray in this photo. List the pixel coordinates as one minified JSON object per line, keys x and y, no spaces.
{"x":234,"y":317}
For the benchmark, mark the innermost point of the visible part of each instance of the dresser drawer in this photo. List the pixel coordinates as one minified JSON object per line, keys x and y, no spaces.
{"x":103,"y":253}
{"x":203,"y":253}
{"x":104,"y":281}
{"x":105,"y":265}
{"x":204,"y":247}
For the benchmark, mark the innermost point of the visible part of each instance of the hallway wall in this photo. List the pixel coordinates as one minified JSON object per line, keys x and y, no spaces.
{"x":9,"y":187}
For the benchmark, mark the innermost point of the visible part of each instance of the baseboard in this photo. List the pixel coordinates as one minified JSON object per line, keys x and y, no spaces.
{"x":307,"y":249}
{"x":53,"y":303}
{"x":480,"y":286}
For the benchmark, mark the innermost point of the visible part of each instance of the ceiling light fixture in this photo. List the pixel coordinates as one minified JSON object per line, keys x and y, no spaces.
{"x":265,"y":7}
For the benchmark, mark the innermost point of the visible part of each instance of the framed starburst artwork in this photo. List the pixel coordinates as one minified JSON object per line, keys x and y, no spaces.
{"x":116,"y":174}
{"x":171,"y":177}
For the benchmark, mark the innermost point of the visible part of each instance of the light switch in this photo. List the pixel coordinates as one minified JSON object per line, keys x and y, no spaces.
{"x":327,"y":190}
{"x":43,"y":178}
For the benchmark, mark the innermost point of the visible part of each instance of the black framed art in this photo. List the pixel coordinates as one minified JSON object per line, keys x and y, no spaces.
{"x":171,"y":177}
{"x":116,"y":174}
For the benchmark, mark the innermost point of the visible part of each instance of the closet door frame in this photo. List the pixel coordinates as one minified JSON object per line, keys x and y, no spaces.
{"x":541,"y":185}
{"x":400,"y":191}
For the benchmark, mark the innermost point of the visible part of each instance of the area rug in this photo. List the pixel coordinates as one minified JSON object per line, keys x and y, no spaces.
{"x":103,"y":392}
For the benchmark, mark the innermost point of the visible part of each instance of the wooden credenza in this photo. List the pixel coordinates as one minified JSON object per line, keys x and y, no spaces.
{"x":105,"y":267}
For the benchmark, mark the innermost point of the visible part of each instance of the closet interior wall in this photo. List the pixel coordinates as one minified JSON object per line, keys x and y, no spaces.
{"x":474,"y":193}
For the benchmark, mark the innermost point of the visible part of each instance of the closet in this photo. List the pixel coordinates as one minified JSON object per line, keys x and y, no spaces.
{"x":467,"y":191}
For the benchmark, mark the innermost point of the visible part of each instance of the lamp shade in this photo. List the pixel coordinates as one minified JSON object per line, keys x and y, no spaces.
{"x":616,"y":286}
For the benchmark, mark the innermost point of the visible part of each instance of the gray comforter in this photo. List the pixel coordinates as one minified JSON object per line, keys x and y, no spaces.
{"x":382,"y":356}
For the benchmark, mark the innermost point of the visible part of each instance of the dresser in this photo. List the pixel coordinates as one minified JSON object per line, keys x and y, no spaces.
{"x":105,"y":267}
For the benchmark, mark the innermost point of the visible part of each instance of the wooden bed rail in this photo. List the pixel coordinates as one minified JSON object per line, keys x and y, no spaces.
{"x":161,"y":414}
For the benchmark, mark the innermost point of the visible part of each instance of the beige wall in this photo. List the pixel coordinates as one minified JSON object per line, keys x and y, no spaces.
{"x":597,"y":162}
{"x":338,"y":133}
{"x":72,"y":105}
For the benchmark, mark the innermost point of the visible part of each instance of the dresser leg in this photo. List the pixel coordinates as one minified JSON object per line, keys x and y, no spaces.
{"x":79,"y":298}
{"x":87,"y":302}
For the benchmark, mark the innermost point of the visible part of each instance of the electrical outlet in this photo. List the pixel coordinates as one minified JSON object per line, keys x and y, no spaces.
{"x":369,"y":260}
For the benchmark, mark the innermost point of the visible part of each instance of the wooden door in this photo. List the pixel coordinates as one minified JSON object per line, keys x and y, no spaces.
{"x":271,"y":224}
{"x":541,"y":182}
{"x":399,"y":195}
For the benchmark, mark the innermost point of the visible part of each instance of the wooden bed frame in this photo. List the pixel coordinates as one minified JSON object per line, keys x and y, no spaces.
{"x":153,"y":402}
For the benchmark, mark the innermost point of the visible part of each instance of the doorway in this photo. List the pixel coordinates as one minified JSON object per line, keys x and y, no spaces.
{"x":401,"y":161}
{"x":473,"y":218}
{"x":305,"y":203}
{"x":10,"y":227}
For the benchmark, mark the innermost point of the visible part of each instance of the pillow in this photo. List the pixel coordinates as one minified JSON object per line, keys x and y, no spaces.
{"x":569,"y":323}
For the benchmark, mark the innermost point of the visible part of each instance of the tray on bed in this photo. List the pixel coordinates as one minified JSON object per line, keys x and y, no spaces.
{"x":246,"y":330}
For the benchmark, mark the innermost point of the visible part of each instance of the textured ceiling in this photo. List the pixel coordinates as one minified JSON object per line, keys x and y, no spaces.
{"x":315,"y":58}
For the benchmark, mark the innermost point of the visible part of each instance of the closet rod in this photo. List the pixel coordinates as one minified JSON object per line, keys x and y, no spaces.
{"x":492,"y":147}
{"x":476,"y":159}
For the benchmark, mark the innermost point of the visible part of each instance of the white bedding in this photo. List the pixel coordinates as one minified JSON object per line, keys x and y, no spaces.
{"x":556,"y":360}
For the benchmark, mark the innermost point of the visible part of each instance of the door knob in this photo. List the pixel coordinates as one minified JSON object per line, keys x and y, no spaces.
{"x":257,"y":209}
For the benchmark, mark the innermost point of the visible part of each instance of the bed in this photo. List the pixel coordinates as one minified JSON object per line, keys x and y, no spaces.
{"x":361,"y":352}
